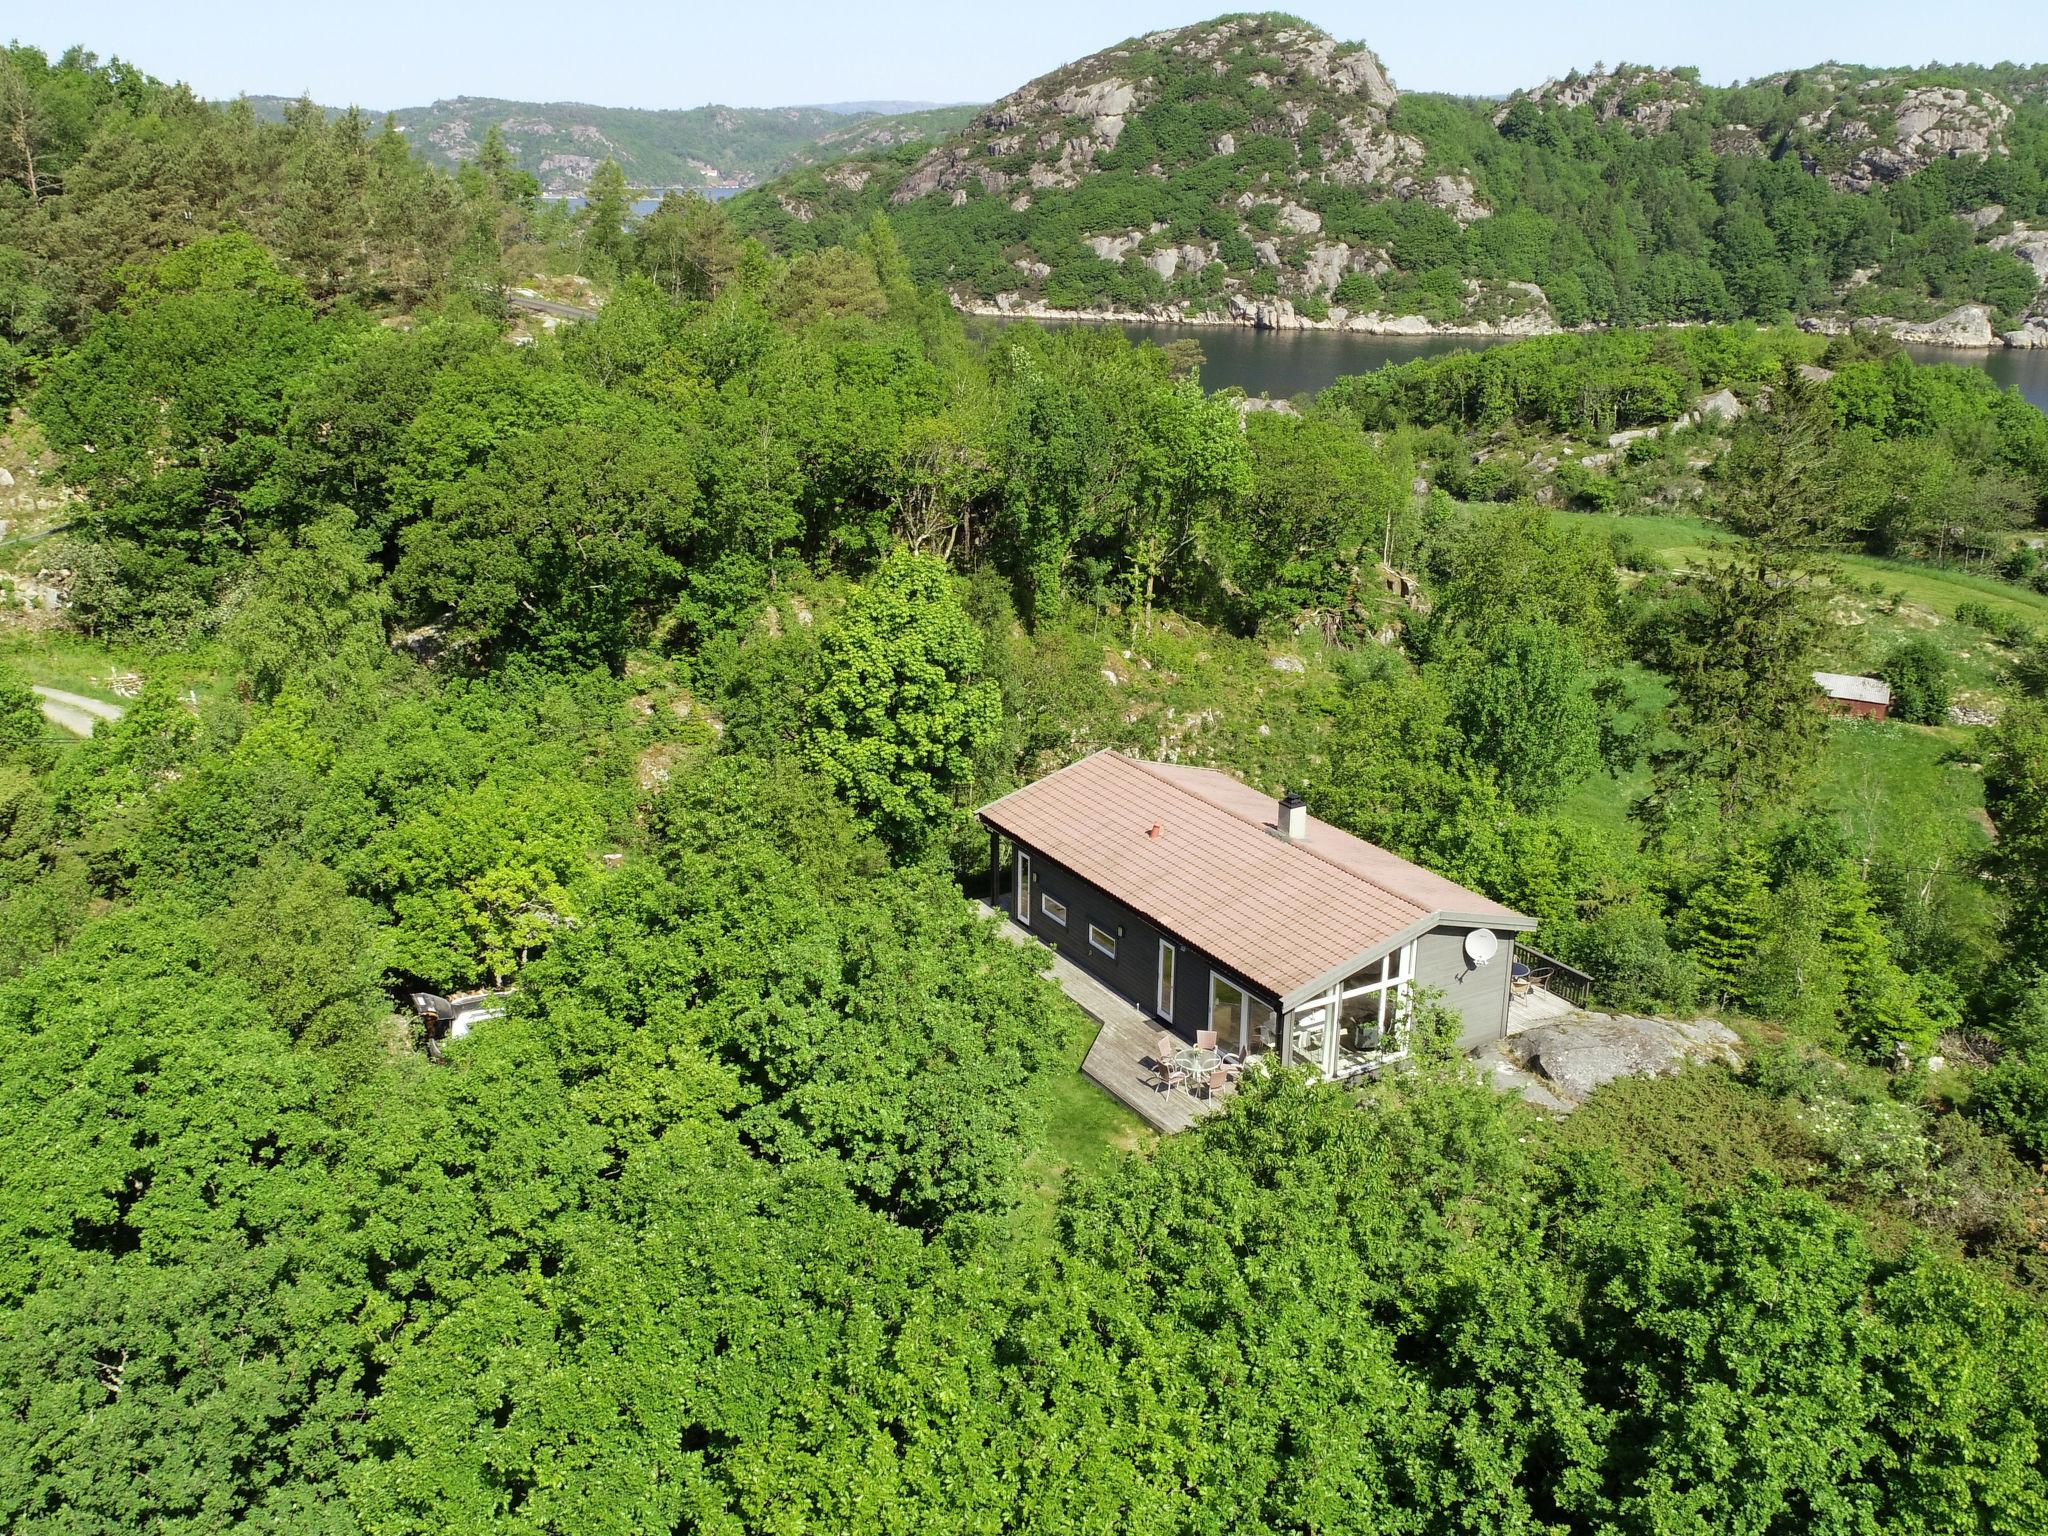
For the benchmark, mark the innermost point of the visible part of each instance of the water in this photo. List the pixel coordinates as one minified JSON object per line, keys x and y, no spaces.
{"x":643,"y":206}
{"x":1287,"y":363}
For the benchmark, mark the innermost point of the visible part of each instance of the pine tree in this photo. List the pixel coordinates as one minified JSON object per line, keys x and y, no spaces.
{"x":1726,"y":917}
{"x":1879,"y":1012}
{"x":605,"y":208}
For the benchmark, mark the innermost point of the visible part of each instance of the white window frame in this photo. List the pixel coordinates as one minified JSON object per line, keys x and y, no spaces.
{"x":1101,"y":940}
{"x":1242,"y":1045}
{"x":1023,"y":891}
{"x":1234,"y":1046}
{"x":1393,"y":987}
{"x":1163,"y":977}
{"x":1053,"y":908}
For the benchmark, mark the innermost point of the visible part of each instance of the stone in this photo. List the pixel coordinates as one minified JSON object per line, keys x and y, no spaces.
{"x":1722,"y":406}
{"x":1325,"y":266}
{"x":1967,"y":326}
{"x":1299,"y":220}
{"x":1289,"y":664}
{"x":1581,"y":1052}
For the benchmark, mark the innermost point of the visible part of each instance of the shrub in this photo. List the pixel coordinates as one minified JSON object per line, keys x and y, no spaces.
{"x":1918,"y":671}
{"x":1978,"y":614}
{"x":2012,"y":1099}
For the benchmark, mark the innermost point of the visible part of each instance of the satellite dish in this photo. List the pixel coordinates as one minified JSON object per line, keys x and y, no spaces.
{"x":1481,"y":945}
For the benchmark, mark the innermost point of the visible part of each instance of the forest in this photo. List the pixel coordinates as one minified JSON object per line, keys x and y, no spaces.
{"x":652,"y":666}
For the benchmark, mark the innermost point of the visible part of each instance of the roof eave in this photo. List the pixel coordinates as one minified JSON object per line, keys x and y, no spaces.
{"x":1314,"y":988}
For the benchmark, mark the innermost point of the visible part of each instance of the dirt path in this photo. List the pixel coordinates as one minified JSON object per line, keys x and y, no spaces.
{"x":74,"y":711}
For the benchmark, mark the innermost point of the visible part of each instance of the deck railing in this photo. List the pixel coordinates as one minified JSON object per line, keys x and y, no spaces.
{"x":1554,"y":976}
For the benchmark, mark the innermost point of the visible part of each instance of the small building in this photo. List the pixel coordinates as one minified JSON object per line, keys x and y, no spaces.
{"x":1867,"y":698}
{"x":1209,"y":905}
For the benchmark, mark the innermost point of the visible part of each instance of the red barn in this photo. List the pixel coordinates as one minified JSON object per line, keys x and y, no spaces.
{"x":1868,"y":698}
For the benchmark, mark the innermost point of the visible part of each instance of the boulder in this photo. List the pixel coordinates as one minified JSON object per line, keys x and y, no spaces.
{"x":1582,"y":1051}
{"x":1299,"y":220}
{"x":1326,"y":266}
{"x":1968,"y":326}
{"x":1721,"y":406}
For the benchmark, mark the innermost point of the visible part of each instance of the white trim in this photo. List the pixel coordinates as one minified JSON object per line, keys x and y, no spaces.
{"x":1163,"y":978}
{"x":1056,"y":910}
{"x":1102,"y":941}
{"x":1023,"y":893}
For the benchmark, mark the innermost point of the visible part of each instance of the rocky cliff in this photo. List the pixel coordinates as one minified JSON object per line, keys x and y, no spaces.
{"x":1253,"y":170}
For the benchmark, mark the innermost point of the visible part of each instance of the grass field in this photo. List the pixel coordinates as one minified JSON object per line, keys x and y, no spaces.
{"x":1084,"y":1129}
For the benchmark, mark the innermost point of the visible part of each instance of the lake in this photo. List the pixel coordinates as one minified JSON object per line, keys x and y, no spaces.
{"x":1287,"y":363}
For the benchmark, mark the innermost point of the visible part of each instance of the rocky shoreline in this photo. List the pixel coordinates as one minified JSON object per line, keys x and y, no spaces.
{"x":1965,"y":329}
{"x":1266,"y":315}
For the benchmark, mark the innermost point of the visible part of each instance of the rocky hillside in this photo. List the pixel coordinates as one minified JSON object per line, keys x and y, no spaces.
{"x":1254,"y":169}
{"x":1245,"y":168}
{"x":562,"y":143}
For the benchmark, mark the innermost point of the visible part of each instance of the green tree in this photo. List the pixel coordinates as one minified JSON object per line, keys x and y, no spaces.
{"x":606,"y":204}
{"x":1726,"y":917}
{"x":2016,"y":796}
{"x":903,"y":707}
{"x":1527,"y":710}
{"x":1921,"y":680}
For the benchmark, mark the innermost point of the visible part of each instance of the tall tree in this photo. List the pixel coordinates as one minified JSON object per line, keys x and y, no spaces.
{"x":606,"y":204}
{"x":903,"y":708}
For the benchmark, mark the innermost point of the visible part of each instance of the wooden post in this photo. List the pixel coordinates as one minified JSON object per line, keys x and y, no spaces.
{"x":995,"y":868}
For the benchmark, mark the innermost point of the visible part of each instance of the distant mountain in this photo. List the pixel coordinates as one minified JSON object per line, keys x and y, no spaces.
{"x":562,"y":143}
{"x":1255,"y":169}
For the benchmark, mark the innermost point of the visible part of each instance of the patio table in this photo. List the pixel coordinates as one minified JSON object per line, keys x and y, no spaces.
{"x":1198,"y":1063}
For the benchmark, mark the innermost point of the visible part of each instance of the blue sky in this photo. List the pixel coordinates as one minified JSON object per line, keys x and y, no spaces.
{"x":378,"y":53}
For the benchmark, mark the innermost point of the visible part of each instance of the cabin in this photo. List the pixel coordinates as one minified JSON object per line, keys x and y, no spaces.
{"x":1867,"y":698}
{"x":1205,"y":904}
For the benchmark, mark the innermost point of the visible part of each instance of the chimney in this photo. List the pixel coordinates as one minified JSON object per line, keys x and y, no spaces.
{"x":1293,"y":823}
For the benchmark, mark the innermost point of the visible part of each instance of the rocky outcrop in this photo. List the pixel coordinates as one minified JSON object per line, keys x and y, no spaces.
{"x":1969,"y":326}
{"x":1263,"y":314}
{"x":1582,"y":1052}
{"x":2030,"y":245}
{"x":1886,"y":138}
{"x":2034,"y":334}
{"x":1644,"y":99}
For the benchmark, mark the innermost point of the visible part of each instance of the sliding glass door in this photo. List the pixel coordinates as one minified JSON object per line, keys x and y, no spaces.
{"x":1245,"y":1025}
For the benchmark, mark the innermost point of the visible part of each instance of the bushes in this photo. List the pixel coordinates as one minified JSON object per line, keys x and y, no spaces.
{"x":1921,"y":682}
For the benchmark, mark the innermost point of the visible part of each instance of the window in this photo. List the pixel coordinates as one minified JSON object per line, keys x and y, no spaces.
{"x":1245,"y":1025}
{"x":1372,"y":1016}
{"x":1226,"y":1012}
{"x":1101,"y":941}
{"x":1056,"y":910}
{"x":1164,"y":998}
{"x":1023,"y":887}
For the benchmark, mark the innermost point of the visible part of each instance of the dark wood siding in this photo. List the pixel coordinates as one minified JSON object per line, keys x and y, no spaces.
{"x":1134,"y":971}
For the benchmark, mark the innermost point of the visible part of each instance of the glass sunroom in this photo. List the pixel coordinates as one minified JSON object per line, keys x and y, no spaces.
{"x":1358,"y":1025}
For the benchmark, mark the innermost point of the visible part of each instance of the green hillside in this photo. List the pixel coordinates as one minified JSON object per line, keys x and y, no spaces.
{"x":563,"y":142}
{"x":1255,"y":168}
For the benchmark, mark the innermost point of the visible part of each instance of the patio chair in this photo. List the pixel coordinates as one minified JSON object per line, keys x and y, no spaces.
{"x":1205,"y":1039}
{"x":1171,"y":1073}
{"x":1220,"y":1078}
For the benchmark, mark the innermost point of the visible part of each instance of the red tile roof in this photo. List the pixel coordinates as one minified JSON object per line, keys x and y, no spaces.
{"x":1283,"y":914}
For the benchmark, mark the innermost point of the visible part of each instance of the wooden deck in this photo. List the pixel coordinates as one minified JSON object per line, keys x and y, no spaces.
{"x":1536,"y":1006}
{"x":1120,"y":1060}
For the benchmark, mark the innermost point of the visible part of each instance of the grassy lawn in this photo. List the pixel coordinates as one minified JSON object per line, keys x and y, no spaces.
{"x":1084,"y":1129}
